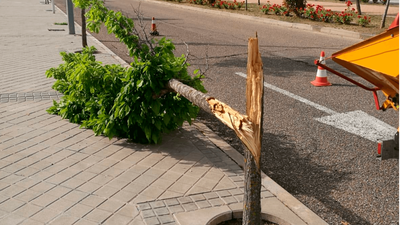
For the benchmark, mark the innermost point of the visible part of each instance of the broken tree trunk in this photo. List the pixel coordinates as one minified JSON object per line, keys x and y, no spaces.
{"x":247,"y":128}
{"x":254,"y":110}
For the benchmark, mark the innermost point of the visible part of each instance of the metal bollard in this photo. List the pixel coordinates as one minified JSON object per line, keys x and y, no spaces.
{"x":70,"y":13}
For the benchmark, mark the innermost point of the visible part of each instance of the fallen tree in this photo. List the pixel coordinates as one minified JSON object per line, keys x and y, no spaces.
{"x":154,"y":95}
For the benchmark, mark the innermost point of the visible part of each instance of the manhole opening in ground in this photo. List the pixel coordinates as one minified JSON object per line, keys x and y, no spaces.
{"x":235,"y":218}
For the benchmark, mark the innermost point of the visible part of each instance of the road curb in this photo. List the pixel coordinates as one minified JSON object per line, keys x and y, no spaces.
{"x":285,"y":197}
{"x":300,"y":26}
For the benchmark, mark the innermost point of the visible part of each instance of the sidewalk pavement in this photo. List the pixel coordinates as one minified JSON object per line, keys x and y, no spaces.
{"x":52,"y":172}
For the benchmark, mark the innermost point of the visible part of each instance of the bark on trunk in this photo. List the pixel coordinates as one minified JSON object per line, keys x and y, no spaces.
{"x":252,"y":191}
{"x":358,"y":7}
{"x":84,"y":38}
{"x":196,"y":97}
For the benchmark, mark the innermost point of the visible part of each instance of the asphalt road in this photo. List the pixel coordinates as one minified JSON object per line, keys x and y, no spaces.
{"x":332,"y":171}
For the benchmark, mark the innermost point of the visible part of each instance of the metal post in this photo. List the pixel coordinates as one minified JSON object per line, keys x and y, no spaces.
{"x":52,"y":5}
{"x":70,"y":13}
{"x":385,"y":14}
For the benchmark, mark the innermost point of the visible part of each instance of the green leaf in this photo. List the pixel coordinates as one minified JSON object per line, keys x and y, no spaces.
{"x":147,"y":131}
{"x":155,"y":106}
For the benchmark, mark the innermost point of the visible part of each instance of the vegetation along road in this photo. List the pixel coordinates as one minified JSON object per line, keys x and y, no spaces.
{"x":318,"y":142}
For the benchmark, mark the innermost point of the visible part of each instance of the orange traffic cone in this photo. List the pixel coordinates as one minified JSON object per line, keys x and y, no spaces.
{"x":153,"y":28}
{"x":321,"y":79}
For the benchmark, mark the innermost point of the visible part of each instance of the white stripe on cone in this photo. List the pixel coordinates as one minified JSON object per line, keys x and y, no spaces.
{"x":153,"y":25}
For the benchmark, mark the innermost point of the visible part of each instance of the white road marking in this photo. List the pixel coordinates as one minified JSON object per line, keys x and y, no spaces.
{"x":361,"y":124}
{"x":291,"y":95}
{"x":356,"y":122}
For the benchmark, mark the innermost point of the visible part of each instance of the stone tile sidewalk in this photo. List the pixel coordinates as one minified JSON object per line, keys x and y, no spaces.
{"x":53,"y":172}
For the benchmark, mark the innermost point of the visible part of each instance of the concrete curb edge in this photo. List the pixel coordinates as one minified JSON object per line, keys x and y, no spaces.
{"x":285,"y":197}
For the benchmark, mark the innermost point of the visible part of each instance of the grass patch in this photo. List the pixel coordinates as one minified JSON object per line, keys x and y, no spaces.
{"x":64,"y":23}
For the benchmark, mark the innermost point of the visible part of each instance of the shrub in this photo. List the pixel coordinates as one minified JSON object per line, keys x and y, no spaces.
{"x":324,"y":15}
{"x":266,"y":8}
{"x":309,"y":12}
{"x":125,"y":102}
{"x":363,"y":20}
{"x":198,"y":2}
{"x":227,"y":5}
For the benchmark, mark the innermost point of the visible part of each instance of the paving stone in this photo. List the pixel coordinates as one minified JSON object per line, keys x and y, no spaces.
{"x":239,"y":198}
{"x":111,"y":205}
{"x":28,"y":210}
{"x":166,"y":219}
{"x":266,"y":194}
{"x":229,"y":200}
{"x":128,"y":210}
{"x":235,"y":191}
{"x":64,"y":220}
{"x":184,"y":200}
{"x":175,"y":209}
{"x":144,"y":206}
{"x":45,"y":215}
{"x":189,"y":207}
{"x":211,"y":195}
{"x":11,"y":205}
{"x":152,"y":221}
{"x":85,"y":222}
{"x":30,"y":222}
{"x":124,"y":196}
{"x":157,"y":204}
{"x":203,"y":204}
{"x":44,"y":200}
{"x":148,"y":213}
{"x":117,"y":220}
{"x":223,"y":193}
{"x":198,"y":197}
{"x":79,"y":210}
{"x":171,"y":202}
{"x":75,"y":195}
{"x":27,"y":195}
{"x":98,"y":215}
{"x":12,"y":219}
{"x":93,"y":200}
{"x":161,"y":211}
{"x":216,"y":202}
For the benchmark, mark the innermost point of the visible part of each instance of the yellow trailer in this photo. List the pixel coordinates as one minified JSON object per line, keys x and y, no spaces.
{"x":377,"y":61}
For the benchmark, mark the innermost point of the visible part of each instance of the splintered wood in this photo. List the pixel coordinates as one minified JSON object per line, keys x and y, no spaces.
{"x":247,"y":127}
{"x":254,"y":96}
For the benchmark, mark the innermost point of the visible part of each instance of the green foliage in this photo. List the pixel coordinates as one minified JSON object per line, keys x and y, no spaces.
{"x":124,"y":102}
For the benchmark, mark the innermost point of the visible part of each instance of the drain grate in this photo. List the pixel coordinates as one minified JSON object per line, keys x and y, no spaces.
{"x":30,"y":96}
